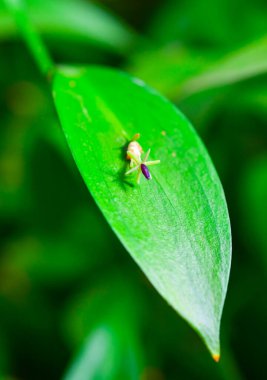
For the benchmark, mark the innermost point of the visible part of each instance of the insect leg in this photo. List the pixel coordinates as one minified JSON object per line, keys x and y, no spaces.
{"x":152,"y":162}
{"x":138,"y":176}
{"x":146,"y":156}
{"x":132,"y":170}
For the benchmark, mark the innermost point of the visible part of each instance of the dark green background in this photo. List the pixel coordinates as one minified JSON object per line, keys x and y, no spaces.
{"x":64,"y":276}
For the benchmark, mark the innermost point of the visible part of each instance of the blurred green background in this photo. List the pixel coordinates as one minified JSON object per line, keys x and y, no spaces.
{"x":73,"y":304}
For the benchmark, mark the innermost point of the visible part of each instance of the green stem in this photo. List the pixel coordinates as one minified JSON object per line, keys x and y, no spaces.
{"x":31,"y":38}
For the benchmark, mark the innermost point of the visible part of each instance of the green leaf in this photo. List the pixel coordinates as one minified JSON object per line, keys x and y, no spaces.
{"x":176,"y":226}
{"x":79,"y":20}
{"x":96,"y":358}
{"x":247,"y":62}
{"x":181,"y":73}
{"x":109,"y":348}
{"x":172,"y":67}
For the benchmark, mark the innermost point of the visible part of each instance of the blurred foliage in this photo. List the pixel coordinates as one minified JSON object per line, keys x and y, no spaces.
{"x":66,"y":283}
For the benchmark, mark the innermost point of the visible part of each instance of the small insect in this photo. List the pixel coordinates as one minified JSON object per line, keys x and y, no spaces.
{"x":134,"y":149}
{"x":134,"y":154}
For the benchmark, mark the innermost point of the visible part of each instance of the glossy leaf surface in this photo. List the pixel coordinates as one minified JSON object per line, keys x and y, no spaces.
{"x":175,"y":226}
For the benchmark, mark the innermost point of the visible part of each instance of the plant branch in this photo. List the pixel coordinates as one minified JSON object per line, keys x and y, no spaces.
{"x":31,"y":37}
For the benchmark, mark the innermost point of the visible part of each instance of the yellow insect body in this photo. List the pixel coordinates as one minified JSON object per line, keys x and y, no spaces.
{"x":135,"y":149}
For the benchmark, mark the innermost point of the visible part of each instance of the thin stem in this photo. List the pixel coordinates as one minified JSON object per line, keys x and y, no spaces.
{"x":31,"y":37}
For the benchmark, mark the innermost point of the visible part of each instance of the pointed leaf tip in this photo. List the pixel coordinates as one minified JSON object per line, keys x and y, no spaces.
{"x":216,"y":357}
